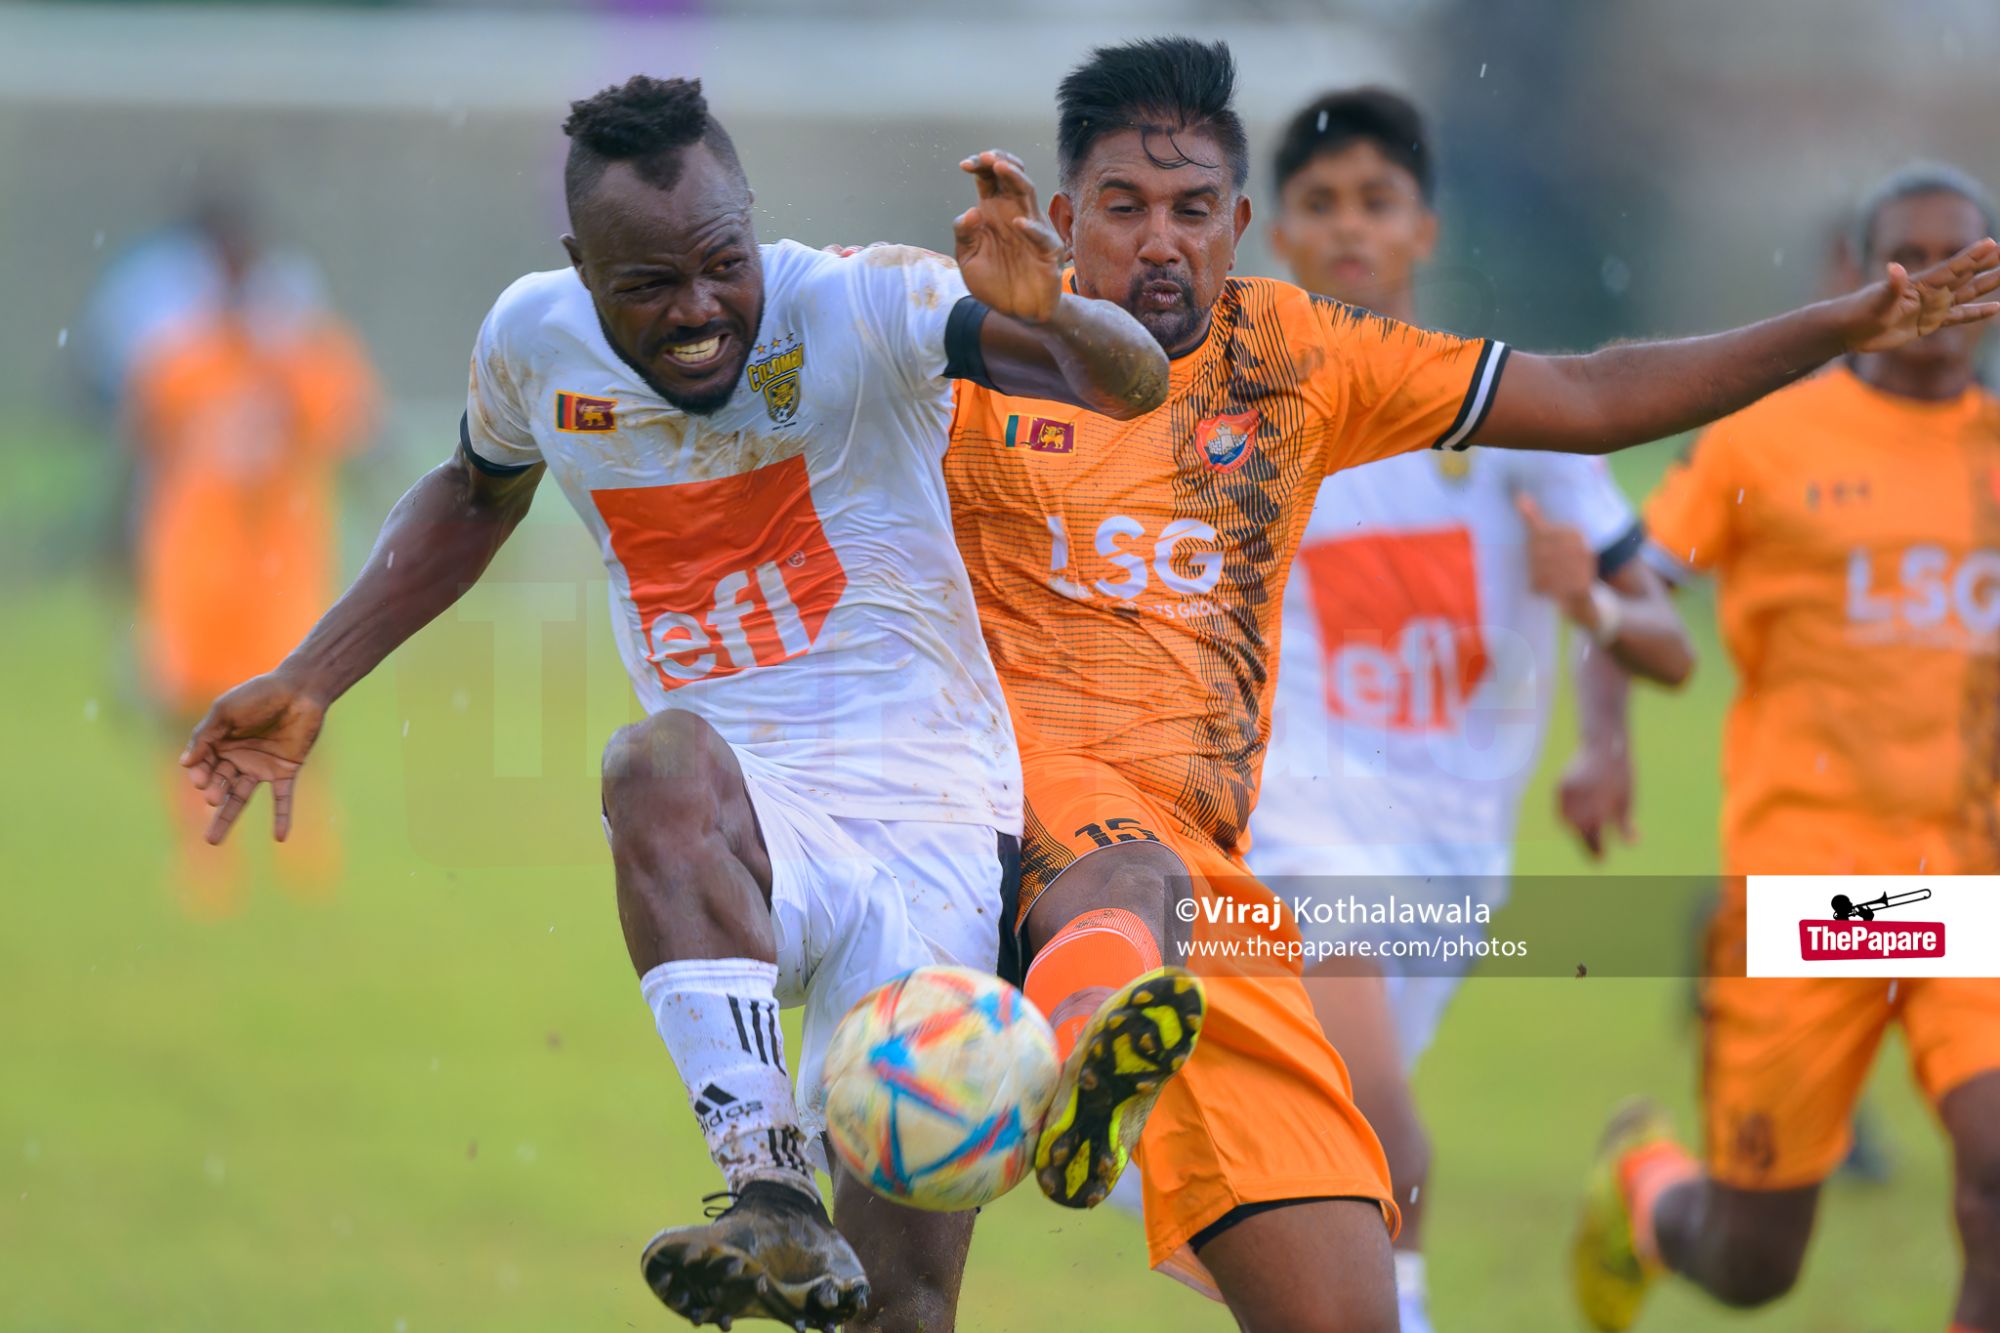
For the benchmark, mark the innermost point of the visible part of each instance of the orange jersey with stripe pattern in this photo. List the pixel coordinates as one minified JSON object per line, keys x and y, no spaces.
{"x":1855,"y":538}
{"x":1130,"y":574}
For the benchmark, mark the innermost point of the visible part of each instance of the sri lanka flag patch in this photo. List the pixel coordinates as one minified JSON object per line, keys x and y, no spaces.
{"x":576,"y":412}
{"x":1043,"y":435}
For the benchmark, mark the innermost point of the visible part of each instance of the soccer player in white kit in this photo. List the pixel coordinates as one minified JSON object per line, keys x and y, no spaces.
{"x":825,"y":790}
{"x":1418,"y":656}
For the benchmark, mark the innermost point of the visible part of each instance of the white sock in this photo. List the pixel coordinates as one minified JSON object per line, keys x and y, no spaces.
{"x":719,"y":1018}
{"x":1410,"y":1302}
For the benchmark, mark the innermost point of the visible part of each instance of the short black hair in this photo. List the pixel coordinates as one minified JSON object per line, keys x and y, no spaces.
{"x":1160,"y":86}
{"x":1333,"y":121}
{"x":1908,"y":182}
{"x":647,"y":122}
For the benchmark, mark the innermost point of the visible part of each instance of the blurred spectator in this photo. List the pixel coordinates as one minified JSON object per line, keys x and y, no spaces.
{"x":239,"y":403}
{"x":179,"y":272}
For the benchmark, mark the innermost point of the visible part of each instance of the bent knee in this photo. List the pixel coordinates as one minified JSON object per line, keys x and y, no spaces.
{"x":1756,"y":1273}
{"x":672,"y":765}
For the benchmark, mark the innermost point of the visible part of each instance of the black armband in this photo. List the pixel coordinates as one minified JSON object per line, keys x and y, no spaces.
{"x":486,"y":465}
{"x":963,"y":359}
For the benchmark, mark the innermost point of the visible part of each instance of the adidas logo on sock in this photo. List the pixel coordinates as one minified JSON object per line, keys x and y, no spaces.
{"x":710,"y":1099}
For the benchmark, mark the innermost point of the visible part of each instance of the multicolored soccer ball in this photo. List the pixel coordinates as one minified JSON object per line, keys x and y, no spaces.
{"x":935,"y":1088}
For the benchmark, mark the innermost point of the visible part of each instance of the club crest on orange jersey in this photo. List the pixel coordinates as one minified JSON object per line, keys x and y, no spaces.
{"x":1225,"y":440}
{"x":576,"y":412}
{"x":1042,"y":435}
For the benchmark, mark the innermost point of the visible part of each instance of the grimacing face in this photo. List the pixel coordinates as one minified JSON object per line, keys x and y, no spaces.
{"x":1353,"y":225}
{"x":1158,"y":240}
{"x":1917,"y":231}
{"x":675,"y":275}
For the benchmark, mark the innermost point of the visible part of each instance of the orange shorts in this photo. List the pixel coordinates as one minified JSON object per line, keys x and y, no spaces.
{"x":1784,"y":1058}
{"x":1263,"y":1111}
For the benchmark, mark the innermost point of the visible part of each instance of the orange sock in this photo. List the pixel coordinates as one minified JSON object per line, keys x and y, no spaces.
{"x":1089,"y":958}
{"x":1644,"y":1174}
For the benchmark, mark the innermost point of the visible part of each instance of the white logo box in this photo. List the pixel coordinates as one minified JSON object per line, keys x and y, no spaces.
{"x":1967,"y":907}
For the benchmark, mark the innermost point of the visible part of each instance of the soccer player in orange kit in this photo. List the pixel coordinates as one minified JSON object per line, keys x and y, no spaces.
{"x":242,"y":416}
{"x":1129,"y":576}
{"x":1853,"y":525}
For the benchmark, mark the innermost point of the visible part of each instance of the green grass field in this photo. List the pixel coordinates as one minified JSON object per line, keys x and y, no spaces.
{"x":435,"y":1100}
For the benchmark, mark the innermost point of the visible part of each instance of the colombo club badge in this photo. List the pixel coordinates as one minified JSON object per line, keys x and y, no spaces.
{"x":777,"y":378}
{"x":1225,"y":440}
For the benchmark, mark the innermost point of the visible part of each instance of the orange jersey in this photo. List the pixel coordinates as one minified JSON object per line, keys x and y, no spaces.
{"x":1855,"y":537}
{"x":1130,"y":574}
{"x":240,"y":433}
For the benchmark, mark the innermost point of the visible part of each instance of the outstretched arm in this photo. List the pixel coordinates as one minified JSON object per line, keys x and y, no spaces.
{"x":436,"y":543}
{"x":1037,"y":340}
{"x":1633,"y":393}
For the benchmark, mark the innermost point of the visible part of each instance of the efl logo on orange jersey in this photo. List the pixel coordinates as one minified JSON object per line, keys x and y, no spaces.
{"x":1044,"y":435}
{"x":727,"y":574}
{"x":1399,"y":626}
{"x":1225,"y":440}
{"x":575,"y":412}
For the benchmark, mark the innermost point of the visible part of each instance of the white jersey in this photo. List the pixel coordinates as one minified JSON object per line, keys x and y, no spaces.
{"x":784,"y":567}
{"x":1416,"y":667}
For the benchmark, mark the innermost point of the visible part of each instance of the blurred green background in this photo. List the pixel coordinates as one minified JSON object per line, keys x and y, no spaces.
{"x":431,"y":1097}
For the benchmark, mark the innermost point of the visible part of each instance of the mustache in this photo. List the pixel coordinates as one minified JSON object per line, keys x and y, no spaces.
{"x":1146,"y":277}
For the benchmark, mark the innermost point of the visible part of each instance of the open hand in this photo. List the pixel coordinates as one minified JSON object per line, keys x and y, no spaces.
{"x":1903,"y":306}
{"x":1009,"y":255}
{"x":259,"y":732}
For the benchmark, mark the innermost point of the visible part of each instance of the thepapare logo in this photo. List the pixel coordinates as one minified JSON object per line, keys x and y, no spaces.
{"x":1399,"y":626}
{"x":1855,"y":933}
{"x":1924,"y":588}
{"x":777,"y":378}
{"x":1182,"y":555}
{"x":727,"y":574}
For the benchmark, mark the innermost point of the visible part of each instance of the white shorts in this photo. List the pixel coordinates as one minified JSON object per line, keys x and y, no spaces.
{"x":858,"y":902}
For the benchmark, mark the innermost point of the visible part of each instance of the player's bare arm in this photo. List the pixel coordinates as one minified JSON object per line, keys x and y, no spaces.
{"x":1594,"y":794}
{"x":1627,"y":612}
{"x":435,"y":544}
{"x":1631,"y":394}
{"x":1045,"y":342}
{"x":1626,"y":627}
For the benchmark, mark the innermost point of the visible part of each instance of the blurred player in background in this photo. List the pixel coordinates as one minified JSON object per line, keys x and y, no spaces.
{"x":1419,"y":654}
{"x":1129,"y":579}
{"x":825,"y":791}
{"x":241,"y":405}
{"x":1853,"y":525}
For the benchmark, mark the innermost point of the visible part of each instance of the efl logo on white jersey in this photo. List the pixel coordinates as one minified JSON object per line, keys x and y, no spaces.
{"x":727,"y":574}
{"x":1399,"y":623}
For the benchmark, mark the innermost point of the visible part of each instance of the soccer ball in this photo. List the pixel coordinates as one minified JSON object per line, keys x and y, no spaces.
{"x":935,"y":1087}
